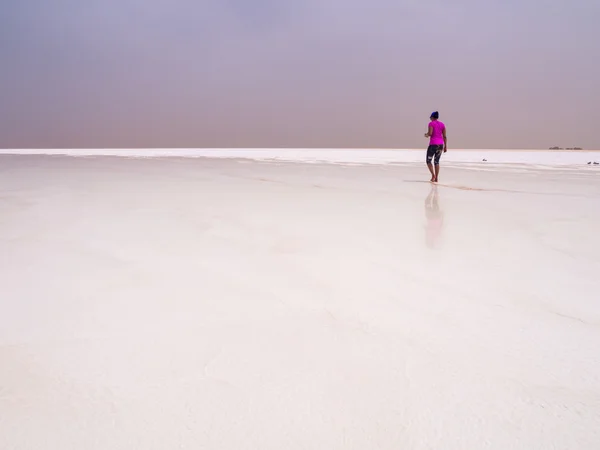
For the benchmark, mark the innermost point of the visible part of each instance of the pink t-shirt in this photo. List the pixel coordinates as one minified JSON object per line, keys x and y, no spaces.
{"x":437,"y":138}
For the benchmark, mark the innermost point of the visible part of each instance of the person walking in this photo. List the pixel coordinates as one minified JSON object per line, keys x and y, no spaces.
{"x":437,"y":145}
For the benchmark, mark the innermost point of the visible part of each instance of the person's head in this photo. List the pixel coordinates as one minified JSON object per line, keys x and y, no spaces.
{"x":435,"y":115}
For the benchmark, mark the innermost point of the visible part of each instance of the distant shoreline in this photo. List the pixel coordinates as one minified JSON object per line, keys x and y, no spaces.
{"x":283,"y":149}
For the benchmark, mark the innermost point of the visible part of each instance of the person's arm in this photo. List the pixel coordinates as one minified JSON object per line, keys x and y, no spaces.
{"x":429,"y":132}
{"x":445,"y":140}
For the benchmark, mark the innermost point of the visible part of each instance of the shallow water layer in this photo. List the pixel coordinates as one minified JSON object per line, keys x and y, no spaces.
{"x":230,"y":303}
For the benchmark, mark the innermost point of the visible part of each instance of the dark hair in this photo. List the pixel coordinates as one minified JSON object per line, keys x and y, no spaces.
{"x":435,"y":115}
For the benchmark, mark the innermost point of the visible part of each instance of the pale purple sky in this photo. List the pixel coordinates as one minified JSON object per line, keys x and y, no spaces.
{"x":302,"y":73}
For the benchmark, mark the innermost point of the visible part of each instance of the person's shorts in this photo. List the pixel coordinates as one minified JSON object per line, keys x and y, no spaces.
{"x":434,"y":152}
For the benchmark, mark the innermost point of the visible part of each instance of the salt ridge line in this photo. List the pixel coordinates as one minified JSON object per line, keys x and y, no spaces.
{"x":374,"y":156}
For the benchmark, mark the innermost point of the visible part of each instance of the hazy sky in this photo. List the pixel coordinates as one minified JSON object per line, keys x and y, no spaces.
{"x":301,"y":73}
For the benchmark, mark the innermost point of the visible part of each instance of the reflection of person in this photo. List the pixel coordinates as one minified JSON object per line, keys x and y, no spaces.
{"x":436,"y":133}
{"x":435,"y":218}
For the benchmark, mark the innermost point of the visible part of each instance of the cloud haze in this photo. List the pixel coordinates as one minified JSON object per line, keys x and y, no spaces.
{"x":305,"y":73}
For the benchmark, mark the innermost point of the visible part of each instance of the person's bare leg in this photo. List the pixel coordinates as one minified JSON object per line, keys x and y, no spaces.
{"x":430,"y":167}
{"x":437,"y":172}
